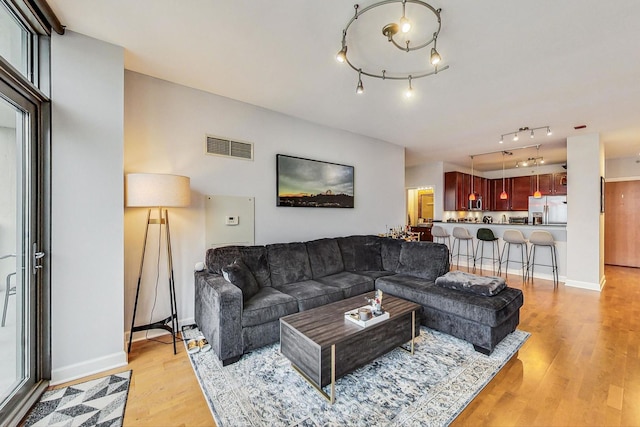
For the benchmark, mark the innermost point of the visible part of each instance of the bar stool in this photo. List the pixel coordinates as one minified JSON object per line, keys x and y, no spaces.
{"x":515,"y":237}
{"x":460,"y":234}
{"x":544,"y":239}
{"x":485,"y":235}
{"x":440,"y":235}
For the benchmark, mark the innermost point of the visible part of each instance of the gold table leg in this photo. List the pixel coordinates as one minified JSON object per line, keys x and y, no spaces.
{"x":330,"y":397}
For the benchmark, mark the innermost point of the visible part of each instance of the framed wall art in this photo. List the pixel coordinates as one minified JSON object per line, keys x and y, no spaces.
{"x":313,"y":183}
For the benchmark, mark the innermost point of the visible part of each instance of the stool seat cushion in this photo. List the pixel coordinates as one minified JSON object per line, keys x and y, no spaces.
{"x":480,"y":285}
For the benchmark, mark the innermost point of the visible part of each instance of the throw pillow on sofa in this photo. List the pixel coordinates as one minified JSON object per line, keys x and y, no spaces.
{"x":239,"y":274}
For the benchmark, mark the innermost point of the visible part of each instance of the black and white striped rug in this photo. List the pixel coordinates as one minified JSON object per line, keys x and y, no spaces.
{"x":100,"y":402}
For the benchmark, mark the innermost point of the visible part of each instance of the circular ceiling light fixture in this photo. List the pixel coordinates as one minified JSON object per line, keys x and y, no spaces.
{"x":390,"y":31}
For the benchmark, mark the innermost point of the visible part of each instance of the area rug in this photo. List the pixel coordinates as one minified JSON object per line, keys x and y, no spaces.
{"x":428,"y":389}
{"x":98,"y":402}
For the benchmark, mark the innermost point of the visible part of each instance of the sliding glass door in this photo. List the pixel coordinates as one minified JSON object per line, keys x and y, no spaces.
{"x":20,"y":251}
{"x":24,"y":200}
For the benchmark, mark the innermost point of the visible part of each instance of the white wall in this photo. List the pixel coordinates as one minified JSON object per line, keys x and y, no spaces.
{"x":165,"y":128}
{"x":623,"y":169}
{"x":430,"y":174}
{"x":585,"y":223}
{"x":87,"y":193}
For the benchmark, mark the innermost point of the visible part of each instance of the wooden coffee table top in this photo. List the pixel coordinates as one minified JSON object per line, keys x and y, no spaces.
{"x":326,"y":325}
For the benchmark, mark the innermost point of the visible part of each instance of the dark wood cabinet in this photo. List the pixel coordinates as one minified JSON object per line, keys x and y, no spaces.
{"x":551,"y":183}
{"x":521,"y":189}
{"x":545,"y":183}
{"x":494,"y":202}
{"x":457,"y":186}
{"x":425,"y":233}
{"x":560,"y":183}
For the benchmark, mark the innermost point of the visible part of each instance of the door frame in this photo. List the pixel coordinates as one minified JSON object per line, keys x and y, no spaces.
{"x":22,"y":94}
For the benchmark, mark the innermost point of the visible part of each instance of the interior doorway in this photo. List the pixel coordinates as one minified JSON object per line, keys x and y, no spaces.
{"x":420,"y":207}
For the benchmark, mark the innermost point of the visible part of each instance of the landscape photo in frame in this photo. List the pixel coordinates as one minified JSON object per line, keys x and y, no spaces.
{"x":313,"y":183}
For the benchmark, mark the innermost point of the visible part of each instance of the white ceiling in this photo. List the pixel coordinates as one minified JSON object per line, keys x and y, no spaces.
{"x":512,"y":64}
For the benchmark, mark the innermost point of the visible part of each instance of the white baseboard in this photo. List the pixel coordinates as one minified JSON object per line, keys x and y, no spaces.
{"x":88,"y":367}
{"x":585,"y":285}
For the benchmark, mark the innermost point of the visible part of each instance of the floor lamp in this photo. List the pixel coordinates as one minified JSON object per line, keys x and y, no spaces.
{"x":159,"y":191}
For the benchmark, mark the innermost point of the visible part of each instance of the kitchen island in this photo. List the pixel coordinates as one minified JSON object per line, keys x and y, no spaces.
{"x":559,"y":233}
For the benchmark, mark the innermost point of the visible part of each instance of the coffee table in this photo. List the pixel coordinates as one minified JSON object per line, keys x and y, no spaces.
{"x":323,"y":346}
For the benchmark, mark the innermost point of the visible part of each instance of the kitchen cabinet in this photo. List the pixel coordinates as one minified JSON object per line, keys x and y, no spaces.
{"x":560,"y":183}
{"x":457,"y":186}
{"x":495,"y":203}
{"x":521,"y":189}
{"x":552,"y":184}
{"x":545,"y":183}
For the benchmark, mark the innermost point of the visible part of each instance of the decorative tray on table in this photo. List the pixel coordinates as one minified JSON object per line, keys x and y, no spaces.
{"x":354,"y":316}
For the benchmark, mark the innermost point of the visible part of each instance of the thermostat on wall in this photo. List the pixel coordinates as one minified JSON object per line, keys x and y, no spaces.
{"x":231,"y":220}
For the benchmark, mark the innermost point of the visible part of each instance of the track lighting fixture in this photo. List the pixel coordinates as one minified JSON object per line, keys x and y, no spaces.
{"x":405,"y":25}
{"x":409,"y":92}
{"x":390,"y":31}
{"x":524,"y":129}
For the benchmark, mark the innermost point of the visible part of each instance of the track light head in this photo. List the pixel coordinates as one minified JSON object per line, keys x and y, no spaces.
{"x":435,"y":57}
{"x":341,"y":56}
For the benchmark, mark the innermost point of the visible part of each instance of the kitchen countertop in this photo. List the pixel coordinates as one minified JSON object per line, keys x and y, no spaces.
{"x":558,"y":231}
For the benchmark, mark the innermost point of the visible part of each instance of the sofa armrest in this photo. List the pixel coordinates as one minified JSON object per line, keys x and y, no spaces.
{"x":218,"y":314}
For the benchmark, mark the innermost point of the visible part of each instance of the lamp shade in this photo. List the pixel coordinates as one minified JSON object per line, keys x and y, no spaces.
{"x":157,"y":190}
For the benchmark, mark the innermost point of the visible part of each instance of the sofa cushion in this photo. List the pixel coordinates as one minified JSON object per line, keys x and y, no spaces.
{"x":267,"y":305}
{"x":491,"y":311}
{"x":255,"y":257}
{"x":467,"y":282}
{"x":352,"y":284}
{"x":390,"y":253}
{"x":239,"y":274}
{"x":324,"y":257}
{"x":426,"y":260}
{"x":375,"y":274}
{"x":311,"y":294}
{"x":288,"y":263}
{"x":360,"y":253}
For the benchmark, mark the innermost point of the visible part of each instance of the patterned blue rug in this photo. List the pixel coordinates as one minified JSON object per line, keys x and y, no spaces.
{"x":428,"y":389}
{"x":99,"y":402}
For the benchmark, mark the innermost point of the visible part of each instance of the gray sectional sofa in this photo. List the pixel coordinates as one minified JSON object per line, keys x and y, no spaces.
{"x":244,"y":290}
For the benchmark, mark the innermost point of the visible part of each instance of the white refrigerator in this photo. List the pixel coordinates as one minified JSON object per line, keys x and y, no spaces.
{"x":548,"y":210}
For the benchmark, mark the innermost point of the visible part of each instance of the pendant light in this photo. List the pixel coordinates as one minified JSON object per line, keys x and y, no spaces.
{"x":503,"y":195}
{"x":472,"y":195}
{"x":537,"y":194}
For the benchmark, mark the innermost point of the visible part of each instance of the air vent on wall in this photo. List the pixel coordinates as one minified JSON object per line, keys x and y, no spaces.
{"x":228,"y":148}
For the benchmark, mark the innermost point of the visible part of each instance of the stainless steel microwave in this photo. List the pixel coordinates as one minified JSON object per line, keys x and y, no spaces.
{"x":475,"y":205}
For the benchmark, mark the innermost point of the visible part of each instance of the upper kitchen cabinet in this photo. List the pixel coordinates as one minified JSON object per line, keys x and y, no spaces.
{"x":545,"y":183}
{"x":521,"y":189}
{"x":560,"y":183}
{"x":457,"y":186}
{"x":495,"y":203}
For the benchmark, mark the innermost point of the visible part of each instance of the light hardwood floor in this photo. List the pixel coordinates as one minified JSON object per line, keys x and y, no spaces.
{"x":580,"y":367}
